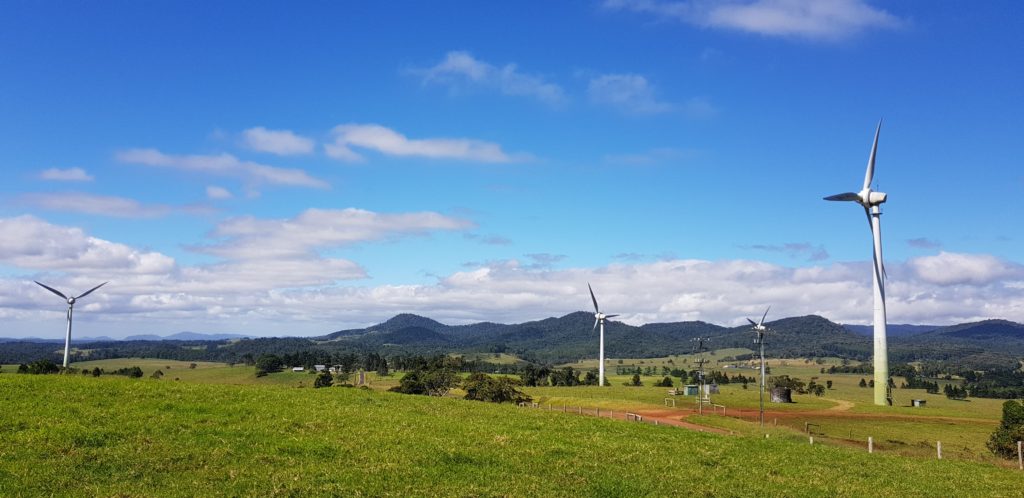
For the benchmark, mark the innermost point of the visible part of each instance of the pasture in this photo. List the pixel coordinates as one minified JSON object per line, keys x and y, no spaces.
{"x":114,"y":436}
{"x":845,"y":415}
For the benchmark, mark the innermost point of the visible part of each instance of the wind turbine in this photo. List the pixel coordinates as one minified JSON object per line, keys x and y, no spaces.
{"x":761,"y":329}
{"x":71,"y":307}
{"x":599,"y":318}
{"x":872,"y":201}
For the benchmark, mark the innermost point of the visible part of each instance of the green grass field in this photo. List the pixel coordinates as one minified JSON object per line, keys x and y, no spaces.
{"x":845,"y":415}
{"x":114,"y":436}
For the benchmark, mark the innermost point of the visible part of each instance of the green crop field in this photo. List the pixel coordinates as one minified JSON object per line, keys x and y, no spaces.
{"x":114,"y":436}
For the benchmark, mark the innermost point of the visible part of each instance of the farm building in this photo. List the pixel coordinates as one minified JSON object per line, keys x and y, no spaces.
{"x":298,"y":369}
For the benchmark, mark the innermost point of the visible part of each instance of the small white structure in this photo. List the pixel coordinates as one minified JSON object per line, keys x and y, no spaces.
{"x":298,"y":369}
{"x":710,"y":389}
{"x":320,"y":368}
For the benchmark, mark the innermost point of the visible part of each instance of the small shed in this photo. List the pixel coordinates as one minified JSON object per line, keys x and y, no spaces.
{"x":691,"y":390}
{"x":320,"y":368}
{"x":710,"y":389}
{"x":782,"y":395}
{"x":917,"y":403}
{"x":298,"y":369}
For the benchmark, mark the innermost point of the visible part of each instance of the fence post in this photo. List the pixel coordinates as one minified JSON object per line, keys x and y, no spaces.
{"x":580,"y":408}
{"x":812,"y":439}
{"x":871,"y":444}
{"x":598,"y":412}
{"x":938,"y":448}
{"x":1020,"y":457}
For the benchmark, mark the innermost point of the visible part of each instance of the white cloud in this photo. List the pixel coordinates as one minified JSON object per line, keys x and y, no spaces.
{"x":947,"y":268}
{"x":75,"y":202}
{"x":66,"y":175}
{"x":280,"y":142}
{"x":461,"y":68}
{"x":217,"y":193}
{"x":626,"y":92}
{"x":811,"y":19}
{"x":291,"y":288}
{"x":223,"y":165}
{"x":35,"y":244}
{"x":390,"y":142}
{"x":254,"y":238}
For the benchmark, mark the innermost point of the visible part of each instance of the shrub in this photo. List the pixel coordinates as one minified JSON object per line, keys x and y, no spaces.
{"x":1004,"y":440}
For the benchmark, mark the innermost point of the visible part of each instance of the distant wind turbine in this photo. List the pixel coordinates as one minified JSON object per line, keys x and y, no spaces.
{"x":761,"y":329}
{"x":599,"y":318}
{"x":872,"y":201}
{"x":71,"y":307}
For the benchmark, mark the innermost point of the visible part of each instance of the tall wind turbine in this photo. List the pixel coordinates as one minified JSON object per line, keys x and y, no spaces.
{"x":872,"y":201}
{"x":71,"y":308}
{"x":599,"y":318}
{"x":761,"y":329}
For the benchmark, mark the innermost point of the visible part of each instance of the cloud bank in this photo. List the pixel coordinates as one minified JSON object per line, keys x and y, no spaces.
{"x":271,"y":275}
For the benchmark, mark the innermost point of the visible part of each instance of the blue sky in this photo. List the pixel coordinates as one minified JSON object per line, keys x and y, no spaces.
{"x":278,"y":170}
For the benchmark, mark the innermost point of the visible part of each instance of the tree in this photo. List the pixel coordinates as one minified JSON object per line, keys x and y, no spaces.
{"x":828,"y":384}
{"x":666,"y":382}
{"x":481,"y":387}
{"x":324,"y":379}
{"x":863,"y":383}
{"x":635,"y":381}
{"x":268,"y":363}
{"x":157,"y":374}
{"x":1004,"y":440}
{"x":192,"y":365}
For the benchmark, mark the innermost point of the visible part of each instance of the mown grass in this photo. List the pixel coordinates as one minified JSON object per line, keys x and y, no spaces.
{"x":108,"y":436}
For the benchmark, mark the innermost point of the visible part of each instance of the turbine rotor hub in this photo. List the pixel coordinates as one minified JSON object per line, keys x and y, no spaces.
{"x":71,"y":301}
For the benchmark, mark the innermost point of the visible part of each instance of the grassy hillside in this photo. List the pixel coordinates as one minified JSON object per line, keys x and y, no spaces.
{"x":71,"y":435}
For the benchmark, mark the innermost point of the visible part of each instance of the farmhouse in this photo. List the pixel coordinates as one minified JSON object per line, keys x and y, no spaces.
{"x":298,"y":369}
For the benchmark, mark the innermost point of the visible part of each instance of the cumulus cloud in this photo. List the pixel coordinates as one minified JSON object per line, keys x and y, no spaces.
{"x":280,"y":142}
{"x":35,"y":244}
{"x":627,"y":92}
{"x":222,"y":165}
{"x":292,"y":288}
{"x":810,"y":19}
{"x":66,"y":175}
{"x":948,"y":268}
{"x":389,"y":142}
{"x":76,"y":202}
{"x":459,"y":68}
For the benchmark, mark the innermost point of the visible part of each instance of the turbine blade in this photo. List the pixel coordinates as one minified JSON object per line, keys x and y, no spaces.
{"x":751,"y":322}
{"x":596,"y":309}
{"x":870,"y":173}
{"x":871,"y":228}
{"x":51,"y":289}
{"x":596,"y":319}
{"x":86,"y":293}
{"x":765,"y":315}
{"x":610,"y":316}
{"x":848,"y":196}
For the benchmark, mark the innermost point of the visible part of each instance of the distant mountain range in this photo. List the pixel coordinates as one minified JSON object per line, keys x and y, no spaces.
{"x":571,"y":337}
{"x":180,"y":336}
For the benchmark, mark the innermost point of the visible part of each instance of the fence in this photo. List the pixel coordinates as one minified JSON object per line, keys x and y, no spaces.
{"x":811,"y":430}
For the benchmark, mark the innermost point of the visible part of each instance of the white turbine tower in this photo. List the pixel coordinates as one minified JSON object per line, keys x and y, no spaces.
{"x":599,"y":318}
{"x":761,"y":329}
{"x":872,"y":201}
{"x":71,"y":307}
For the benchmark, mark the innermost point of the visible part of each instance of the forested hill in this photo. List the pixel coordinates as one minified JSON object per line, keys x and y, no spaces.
{"x":571,"y":337}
